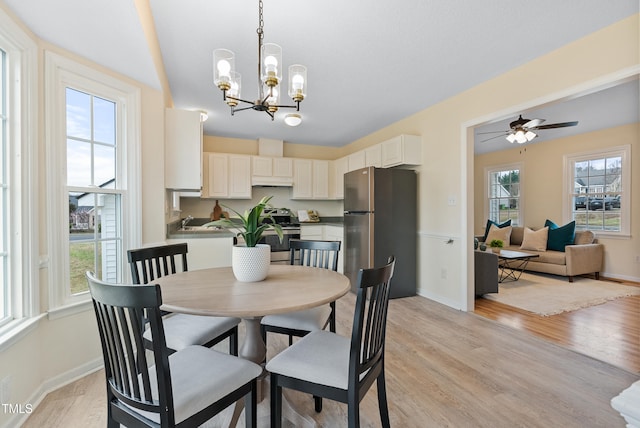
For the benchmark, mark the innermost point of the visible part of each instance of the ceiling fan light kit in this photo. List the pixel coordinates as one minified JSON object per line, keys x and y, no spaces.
{"x":270,"y":67}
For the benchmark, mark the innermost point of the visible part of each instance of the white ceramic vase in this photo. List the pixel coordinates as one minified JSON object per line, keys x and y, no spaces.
{"x":251,"y":264}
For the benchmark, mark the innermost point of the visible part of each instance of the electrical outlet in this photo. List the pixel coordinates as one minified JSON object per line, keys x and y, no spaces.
{"x":451,"y":200}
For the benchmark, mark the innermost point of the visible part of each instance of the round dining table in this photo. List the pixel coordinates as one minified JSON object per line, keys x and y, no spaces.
{"x":216,"y":292}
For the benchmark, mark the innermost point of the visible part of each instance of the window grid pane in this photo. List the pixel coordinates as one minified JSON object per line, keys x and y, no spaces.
{"x":504,"y":196}
{"x":597,"y":193}
{"x":95,"y":225}
{"x":5,"y":293}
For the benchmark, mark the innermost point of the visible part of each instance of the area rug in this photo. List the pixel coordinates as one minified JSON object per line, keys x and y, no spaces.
{"x":549,"y":295}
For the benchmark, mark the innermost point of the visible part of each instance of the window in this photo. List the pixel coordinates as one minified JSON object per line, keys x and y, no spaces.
{"x":93,"y":195}
{"x":598,"y":190}
{"x":95,"y":232}
{"x":18,"y":175}
{"x":503,"y":194}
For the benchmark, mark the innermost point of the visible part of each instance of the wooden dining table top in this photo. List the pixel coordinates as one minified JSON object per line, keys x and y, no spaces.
{"x":216,"y":292}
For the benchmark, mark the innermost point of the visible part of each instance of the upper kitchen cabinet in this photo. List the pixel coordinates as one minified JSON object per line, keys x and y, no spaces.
{"x":310,"y":179}
{"x":227,"y":176}
{"x":373,"y":156}
{"x":356,"y":160}
{"x":402,"y":150}
{"x":271,"y":171}
{"x":183,"y":150}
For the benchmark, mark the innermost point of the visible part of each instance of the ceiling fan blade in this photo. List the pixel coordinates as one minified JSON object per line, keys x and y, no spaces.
{"x":532,"y":123}
{"x":493,"y":132}
{"x":556,"y":125}
{"x":491,"y":138}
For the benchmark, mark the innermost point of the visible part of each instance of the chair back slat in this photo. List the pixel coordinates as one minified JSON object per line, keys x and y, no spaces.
{"x":151,"y":263}
{"x":370,"y":320}
{"x":119,"y":310}
{"x":320,"y":254}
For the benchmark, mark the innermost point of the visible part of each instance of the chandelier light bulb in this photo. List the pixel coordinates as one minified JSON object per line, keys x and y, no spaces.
{"x":224,"y":68}
{"x":297,"y":82}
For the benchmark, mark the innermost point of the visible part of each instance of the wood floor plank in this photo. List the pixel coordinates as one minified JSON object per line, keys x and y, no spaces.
{"x":445,"y":368}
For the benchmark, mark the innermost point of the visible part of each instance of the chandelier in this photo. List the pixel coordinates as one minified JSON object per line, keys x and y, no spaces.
{"x":228,"y":80}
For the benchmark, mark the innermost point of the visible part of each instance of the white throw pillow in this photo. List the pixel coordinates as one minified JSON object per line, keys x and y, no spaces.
{"x":501,"y":233}
{"x":535,"y":240}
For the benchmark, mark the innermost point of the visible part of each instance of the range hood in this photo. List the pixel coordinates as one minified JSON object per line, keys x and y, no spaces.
{"x":272,"y":181}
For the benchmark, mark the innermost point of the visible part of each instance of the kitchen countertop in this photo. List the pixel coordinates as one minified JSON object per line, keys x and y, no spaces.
{"x":194,"y":231}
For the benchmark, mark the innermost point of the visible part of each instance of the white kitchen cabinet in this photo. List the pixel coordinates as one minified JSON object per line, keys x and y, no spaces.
{"x":302,"y":179}
{"x":356,"y":160}
{"x":310,"y":179}
{"x":402,"y":150}
{"x":271,"y":170}
{"x":320,"y":179}
{"x":373,"y":156}
{"x":183,"y":150}
{"x":207,"y":252}
{"x":312,"y":231}
{"x":227,"y":176}
{"x":337,"y":169}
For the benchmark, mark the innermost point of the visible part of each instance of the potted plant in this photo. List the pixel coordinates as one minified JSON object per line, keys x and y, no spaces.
{"x":496,"y":245}
{"x":250,"y":261}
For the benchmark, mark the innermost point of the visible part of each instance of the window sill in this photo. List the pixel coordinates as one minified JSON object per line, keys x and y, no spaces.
{"x":68,"y":310}
{"x":16,"y":330}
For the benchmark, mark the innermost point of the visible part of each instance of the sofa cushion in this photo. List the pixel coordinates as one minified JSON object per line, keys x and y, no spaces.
{"x":501,"y":233}
{"x":560,"y":236}
{"x":517,"y":234}
{"x":489,"y":223}
{"x":584,"y":237}
{"x":535,"y":240}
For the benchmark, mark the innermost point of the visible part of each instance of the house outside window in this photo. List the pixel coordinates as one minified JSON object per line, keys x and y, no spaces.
{"x":598,"y":190}
{"x":503,"y":193}
{"x":94,"y":204}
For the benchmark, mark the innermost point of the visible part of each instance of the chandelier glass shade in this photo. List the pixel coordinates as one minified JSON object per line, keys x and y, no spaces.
{"x":228,"y":80}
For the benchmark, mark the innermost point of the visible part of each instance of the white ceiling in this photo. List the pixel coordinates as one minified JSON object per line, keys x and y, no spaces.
{"x":370,"y":63}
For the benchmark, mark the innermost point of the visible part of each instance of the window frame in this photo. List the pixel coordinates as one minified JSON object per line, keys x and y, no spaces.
{"x":487,"y":192}
{"x":60,"y":73}
{"x":21,"y":227}
{"x":569,"y":161}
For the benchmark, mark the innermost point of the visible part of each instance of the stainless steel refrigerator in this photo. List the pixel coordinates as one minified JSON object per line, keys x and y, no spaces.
{"x":380,"y":220}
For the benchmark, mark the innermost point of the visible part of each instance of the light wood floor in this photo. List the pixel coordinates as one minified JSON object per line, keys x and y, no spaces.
{"x":445,"y":368}
{"x":609,"y":332}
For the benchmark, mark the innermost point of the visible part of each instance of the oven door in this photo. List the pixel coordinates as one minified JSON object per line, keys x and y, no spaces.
{"x":279,"y":250}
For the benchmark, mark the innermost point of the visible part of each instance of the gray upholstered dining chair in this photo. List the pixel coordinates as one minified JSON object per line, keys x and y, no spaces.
{"x":320,"y":254}
{"x":325,"y":364}
{"x":151,"y":387}
{"x":181,"y":330}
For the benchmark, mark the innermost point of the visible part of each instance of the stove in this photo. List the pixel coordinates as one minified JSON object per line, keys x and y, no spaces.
{"x":290,"y":230}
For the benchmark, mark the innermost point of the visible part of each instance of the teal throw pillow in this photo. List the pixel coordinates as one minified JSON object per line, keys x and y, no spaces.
{"x":490,"y":222}
{"x":560,"y":236}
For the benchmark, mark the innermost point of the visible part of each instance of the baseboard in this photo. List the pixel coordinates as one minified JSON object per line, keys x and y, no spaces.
{"x":52,"y":384}
{"x":620,"y":277}
{"x":440,"y":299}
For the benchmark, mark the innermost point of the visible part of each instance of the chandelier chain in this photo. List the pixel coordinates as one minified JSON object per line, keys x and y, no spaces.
{"x":260,"y":32}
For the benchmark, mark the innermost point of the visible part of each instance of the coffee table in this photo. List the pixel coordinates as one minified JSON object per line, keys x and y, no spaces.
{"x":512,"y":264}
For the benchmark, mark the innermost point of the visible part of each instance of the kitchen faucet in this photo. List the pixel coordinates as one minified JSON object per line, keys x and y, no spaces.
{"x":186,"y":220}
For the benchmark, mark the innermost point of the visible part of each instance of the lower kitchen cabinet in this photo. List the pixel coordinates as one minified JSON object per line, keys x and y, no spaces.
{"x":207,"y":252}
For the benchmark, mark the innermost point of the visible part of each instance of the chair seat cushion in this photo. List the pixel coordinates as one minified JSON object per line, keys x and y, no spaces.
{"x":201,"y":376}
{"x":182,"y":330}
{"x":308,"y":320}
{"x":321,"y":357}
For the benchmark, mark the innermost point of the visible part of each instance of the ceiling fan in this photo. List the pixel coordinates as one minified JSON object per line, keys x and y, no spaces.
{"x":522,"y":129}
